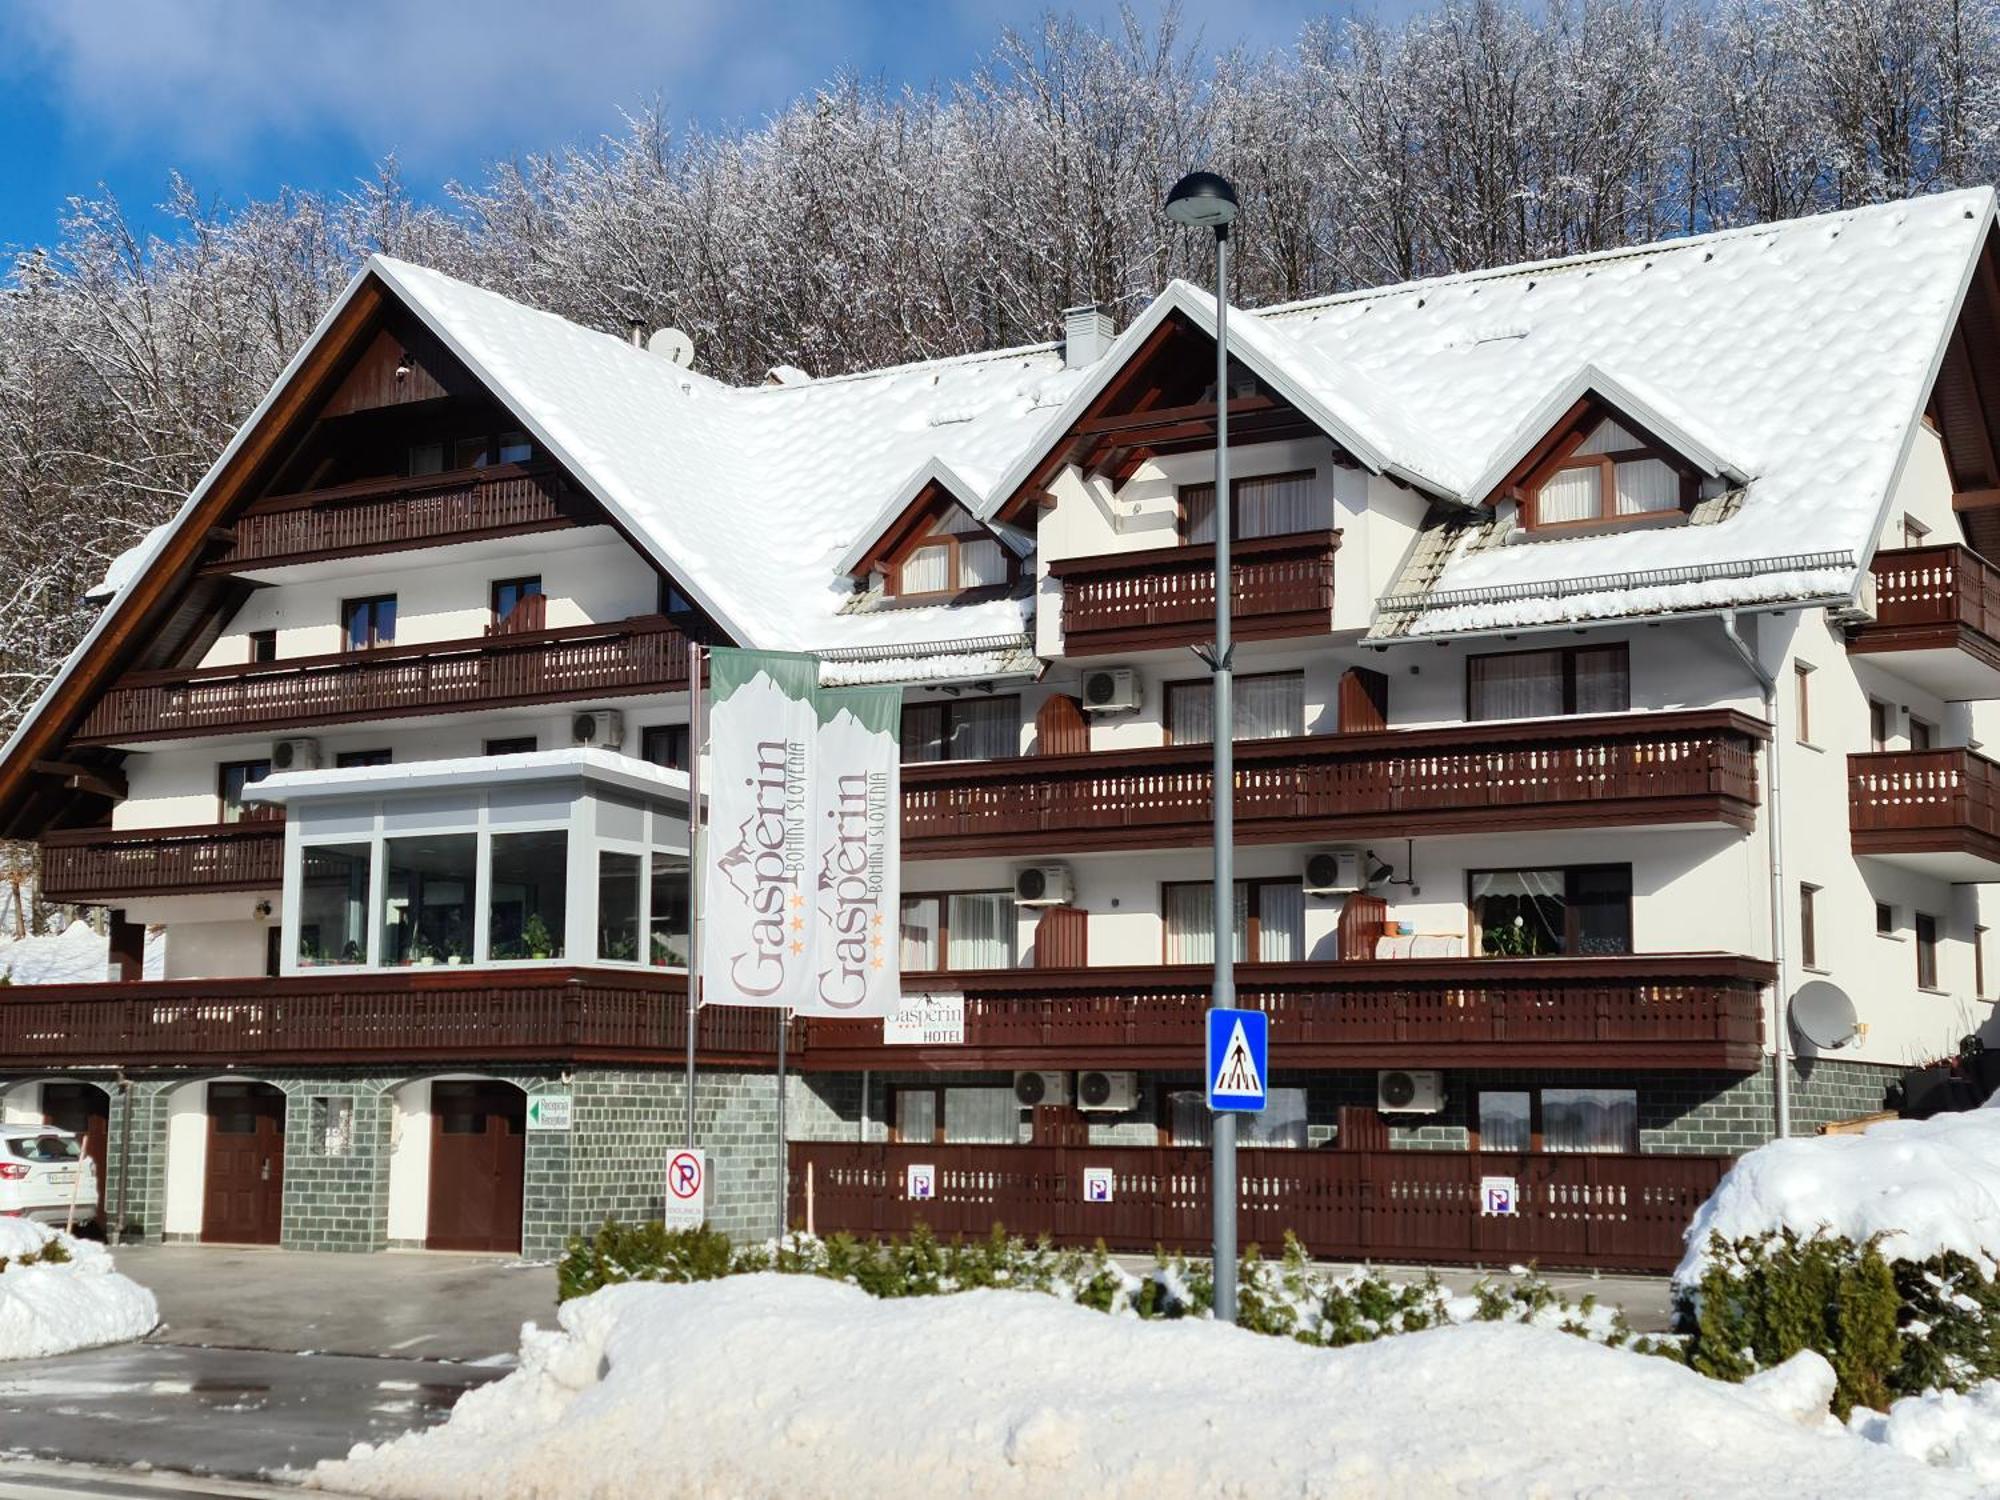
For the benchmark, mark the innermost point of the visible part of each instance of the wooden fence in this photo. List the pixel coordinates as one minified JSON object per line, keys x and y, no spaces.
{"x":106,"y":864}
{"x":386,"y":515}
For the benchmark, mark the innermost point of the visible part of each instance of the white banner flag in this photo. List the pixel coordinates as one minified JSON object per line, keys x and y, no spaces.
{"x":857,"y":773}
{"x":757,"y":890}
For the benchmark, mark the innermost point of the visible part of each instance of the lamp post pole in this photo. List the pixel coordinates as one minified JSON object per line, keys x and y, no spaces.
{"x":1204,"y":200}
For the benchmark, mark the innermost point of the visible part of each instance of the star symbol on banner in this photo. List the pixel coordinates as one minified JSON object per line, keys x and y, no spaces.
{"x":797,"y":902}
{"x":875,"y":963}
{"x":798,"y":923}
{"x":878,"y":919}
{"x":798,"y":947}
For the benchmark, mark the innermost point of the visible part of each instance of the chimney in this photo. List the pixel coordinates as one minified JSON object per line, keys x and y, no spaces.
{"x":1087,"y":333}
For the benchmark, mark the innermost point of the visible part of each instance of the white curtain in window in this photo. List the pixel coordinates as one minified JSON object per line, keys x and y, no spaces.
{"x":1503,"y":1120}
{"x":1603,"y":680}
{"x":920,"y":932}
{"x":1646,"y":485}
{"x":1191,"y":714}
{"x":955,"y":522}
{"x":916,"y":1115}
{"x":1198,"y":514}
{"x":1568,"y":495}
{"x":1187,"y":1119}
{"x":1590,"y":1119}
{"x":985,"y":729}
{"x":982,"y":1117}
{"x":1270,"y":707}
{"x":1517,"y":685}
{"x":1281,"y":923}
{"x":1282,"y":1122}
{"x":982,"y":931}
{"x":1277,"y":506}
{"x":927,"y":570}
{"x":1190,"y":919}
{"x":1609,"y":438}
{"x":980,"y":563}
{"x":1547,"y":887}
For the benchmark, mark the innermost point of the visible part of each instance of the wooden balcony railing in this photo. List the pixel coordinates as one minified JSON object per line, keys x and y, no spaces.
{"x":642,"y":655}
{"x":549,"y":1015}
{"x":1165,"y":596}
{"x":1605,"y":771}
{"x":1611,"y":1212}
{"x":390,"y":515}
{"x":1925,"y":801}
{"x":1692,"y":1010}
{"x":107,"y":864}
{"x":1937,"y":599}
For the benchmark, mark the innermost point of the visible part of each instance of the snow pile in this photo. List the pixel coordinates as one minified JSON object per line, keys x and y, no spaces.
{"x":1942,"y":1428}
{"x":747,"y":1387}
{"x":76,"y":955}
{"x":72,"y":1304}
{"x":1925,"y":1186}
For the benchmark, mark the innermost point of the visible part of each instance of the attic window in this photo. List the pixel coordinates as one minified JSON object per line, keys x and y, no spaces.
{"x":954,"y":554}
{"x":1613,"y":475}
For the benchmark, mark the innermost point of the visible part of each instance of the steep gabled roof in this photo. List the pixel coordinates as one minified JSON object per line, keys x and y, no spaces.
{"x":933,"y":477}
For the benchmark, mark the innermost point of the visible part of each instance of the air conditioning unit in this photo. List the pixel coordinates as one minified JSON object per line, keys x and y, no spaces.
{"x":1032,"y":1089}
{"x":599,"y":728}
{"x":1413,"y":1091}
{"x":1112,"y":1092}
{"x":1335,"y":872}
{"x":1043,"y":885}
{"x":1111,"y":690}
{"x":295,"y":755}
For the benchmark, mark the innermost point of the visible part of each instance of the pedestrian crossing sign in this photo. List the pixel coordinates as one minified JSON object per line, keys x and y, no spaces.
{"x":1238,"y":1060}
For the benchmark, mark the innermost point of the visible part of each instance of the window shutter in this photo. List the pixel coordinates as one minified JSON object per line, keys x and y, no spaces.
{"x":1060,"y":727}
{"x":1062,"y":938}
{"x":1361,"y":922}
{"x":1364,"y":701}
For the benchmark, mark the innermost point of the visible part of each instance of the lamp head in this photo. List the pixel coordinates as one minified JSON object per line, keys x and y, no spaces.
{"x":1202,"y":200}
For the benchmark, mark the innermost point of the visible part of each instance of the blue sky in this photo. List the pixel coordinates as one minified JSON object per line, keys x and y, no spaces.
{"x":247,"y":96}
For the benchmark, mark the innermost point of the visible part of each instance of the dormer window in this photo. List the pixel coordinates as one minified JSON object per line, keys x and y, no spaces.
{"x":1613,"y":475}
{"x":950,"y":556}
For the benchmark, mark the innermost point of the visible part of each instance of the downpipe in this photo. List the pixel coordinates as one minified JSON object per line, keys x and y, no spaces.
{"x":1781,"y":1041}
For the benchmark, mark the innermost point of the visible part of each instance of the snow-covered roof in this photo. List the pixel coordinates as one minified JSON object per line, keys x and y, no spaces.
{"x":574,"y":763}
{"x":1790,"y":360}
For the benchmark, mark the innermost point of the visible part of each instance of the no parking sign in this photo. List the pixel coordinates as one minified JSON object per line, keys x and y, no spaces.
{"x":687,"y":1188}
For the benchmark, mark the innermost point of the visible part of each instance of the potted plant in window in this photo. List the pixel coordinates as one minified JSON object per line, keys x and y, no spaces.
{"x":1515,"y":939}
{"x":537,"y":939}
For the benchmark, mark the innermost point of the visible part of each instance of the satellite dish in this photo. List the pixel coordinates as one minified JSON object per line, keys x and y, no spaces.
{"x":1823,"y":1015}
{"x":675,"y":347}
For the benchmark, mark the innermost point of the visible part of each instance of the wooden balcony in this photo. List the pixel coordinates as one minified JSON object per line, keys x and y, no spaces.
{"x":642,"y":655}
{"x":1616,"y":770}
{"x":1610,"y":1212}
{"x":1933,"y":811}
{"x":1937,"y":620}
{"x":1673,"y":1010}
{"x":1165,"y":596}
{"x":545,"y":1015}
{"x":397,"y":515}
{"x":103,"y":865}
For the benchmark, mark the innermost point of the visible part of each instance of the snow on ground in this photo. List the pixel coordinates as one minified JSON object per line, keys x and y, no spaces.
{"x":1925,"y":1186}
{"x":77,"y":1304}
{"x":1942,"y":1428}
{"x":795,"y":1386}
{"x":76,"y":955}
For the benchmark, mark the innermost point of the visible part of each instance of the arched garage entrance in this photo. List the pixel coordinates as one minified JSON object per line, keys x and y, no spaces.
{"x":478,"y":1163}
{"x":243,"y":1186}
{"x":84,"y":1110}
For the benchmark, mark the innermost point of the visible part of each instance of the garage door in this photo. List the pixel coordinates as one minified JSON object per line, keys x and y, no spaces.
{"x":478,"y":1156}
{"x":84,"y":1110}
{"x":244,"y":1194}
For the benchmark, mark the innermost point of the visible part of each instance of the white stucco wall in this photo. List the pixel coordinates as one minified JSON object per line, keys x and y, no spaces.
{"x":410,"y":1161}
{"x":187,"y":1158}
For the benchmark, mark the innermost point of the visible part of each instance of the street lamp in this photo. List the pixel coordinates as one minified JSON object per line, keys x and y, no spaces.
{"x":1202,"y":200}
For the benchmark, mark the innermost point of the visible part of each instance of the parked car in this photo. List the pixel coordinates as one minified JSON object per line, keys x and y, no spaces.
{"x":43,"y":1173}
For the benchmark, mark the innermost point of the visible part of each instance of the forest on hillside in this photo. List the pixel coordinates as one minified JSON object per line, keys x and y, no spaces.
{"x":862,"y":226}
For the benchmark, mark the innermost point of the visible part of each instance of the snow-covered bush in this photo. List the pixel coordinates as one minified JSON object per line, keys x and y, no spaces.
{"x":59,"y":1293}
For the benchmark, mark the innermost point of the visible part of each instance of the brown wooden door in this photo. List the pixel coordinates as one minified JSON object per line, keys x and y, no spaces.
{"x":243,"y":1200}
{"x":1060,"y":727}
{"x":478,"y":1161}
{"x":84,"y":1110}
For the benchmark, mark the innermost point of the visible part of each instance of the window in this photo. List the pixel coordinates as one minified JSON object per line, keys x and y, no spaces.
{"x":1802,"y":714}
{"x":426,"y":458}
{"x":469,"y":453}
{"x":1880,"y":717}
{"x":520,"y":744}
{"x":1613,"y":475}
{"x":231,"y":777}
{"x":962,"y":729}
{"x":333,"y":1124}
{"x":618,"y":906}
{"x":970,"y":1116}
{"x":1505,"y":1121}
{"x":1885,"y":919}
{"x":429,"y":888}
{"x":349,"y":759}
{"x":1923,"y":735}
{"x":518,"y":605}
{"x":961,"y":930}
{"x":1544,"y":684}
{"x":665,"y":745}
{"x":333,"y":904}
{"x":1927,"y":943}
{"x":1269,"y":926}
{"x":370,"y":622}
{"x":1808,"y":931}
{"x":263,"y":645}
{"x":956,"y":553}
{"x":1585,"y":910}
{"x":1267,"y":707}
{"x":1264,"y":505}
{"x":516,"y":448}
{"x":1590,"y":1120}
{"x":1282,"y":1123}
{"x":670,"y":922}
{"x":530,"y":895}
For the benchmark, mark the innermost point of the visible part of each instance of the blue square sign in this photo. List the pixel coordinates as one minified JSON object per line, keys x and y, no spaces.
{"x":1238,"y":1060}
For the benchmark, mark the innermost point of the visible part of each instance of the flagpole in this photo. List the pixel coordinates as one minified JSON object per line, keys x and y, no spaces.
{"x":696,"y":655}
{"x":784,"y":1166}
